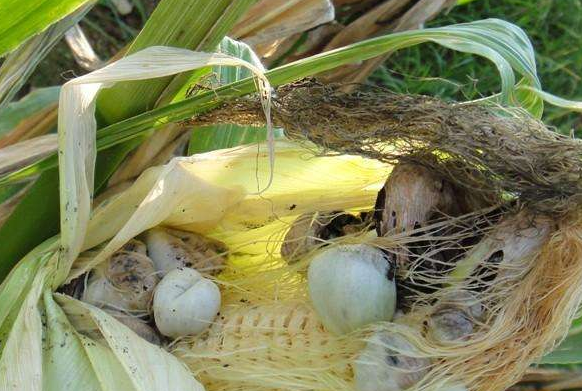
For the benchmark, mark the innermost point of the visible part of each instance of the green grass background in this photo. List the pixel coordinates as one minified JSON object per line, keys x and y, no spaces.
{"x":555,"y":28}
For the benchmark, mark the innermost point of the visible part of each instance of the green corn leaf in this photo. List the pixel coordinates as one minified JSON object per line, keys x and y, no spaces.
{"x":23,"y":19}
{"x":192,"y":24}
{"x":31,"y":222}
{"x":20,"y":64}
{"x":210,"y":138}
{"x":570,"y":350}
{"x":501,"y":42}
{"x":64,"y":359}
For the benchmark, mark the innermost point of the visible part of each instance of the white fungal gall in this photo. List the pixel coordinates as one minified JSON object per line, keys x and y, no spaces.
{"x":310,"y":230}
{"x":455,"y":317}
{"x":411,"y":195}
{"x":125,"y":282}
{"x":351,"y":286}
{"x":138,"y":326}
{"x":449,"y":325}
{"x":171,"y":249}
{"x":185,"y":303}
{"x":389,"y":362}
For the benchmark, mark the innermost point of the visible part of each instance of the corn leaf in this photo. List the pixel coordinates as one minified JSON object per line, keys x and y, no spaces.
{"x":568,"y":352}
{"x":503,"y":43}
{"x":556,"y":100}
{"x":24,"y":19}
{"x":193,"y":24}
{"x":15,"y":112}
{"x":211,"y":138}
{"x":31,"y":222}
{"x":20,"y":64}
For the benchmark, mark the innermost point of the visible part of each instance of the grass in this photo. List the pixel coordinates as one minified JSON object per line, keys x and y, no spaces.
{"x":555,"y":27}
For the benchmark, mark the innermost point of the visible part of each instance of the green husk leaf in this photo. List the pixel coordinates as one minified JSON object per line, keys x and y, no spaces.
{"x":107,"y":367}
{"x":65,"y":364}
{"x":147,"y":366}
{"x":21,"y":360}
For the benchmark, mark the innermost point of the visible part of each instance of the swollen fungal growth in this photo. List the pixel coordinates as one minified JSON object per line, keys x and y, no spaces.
{"x":138,"y":326}
{"x":351,"y":286}
{"x":389,"y":363}
{"x":455,"y":317}
{"x":185,"y":303}
{"x":312,"y":229}
{"x":136,"y":246}
{"x":412,"y":195}
{"x":126,"y":282}
{"x":171,"y":249}
{"x":506,"y":251}
{"x":523,"y":267}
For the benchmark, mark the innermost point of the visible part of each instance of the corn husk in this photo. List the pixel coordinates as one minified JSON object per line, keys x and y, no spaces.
{"x":119,"y":359}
